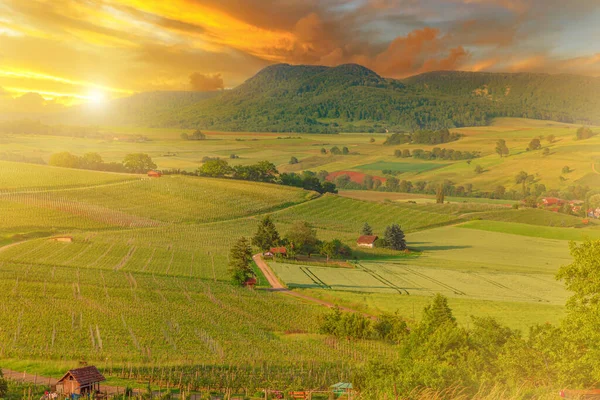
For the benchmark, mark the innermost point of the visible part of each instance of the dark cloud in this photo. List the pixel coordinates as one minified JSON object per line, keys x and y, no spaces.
{"x":206,"y":83}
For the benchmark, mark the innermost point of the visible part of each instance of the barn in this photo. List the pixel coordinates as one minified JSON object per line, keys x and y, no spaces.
{"x":80,"y":381}
{"x":366,"y":241}
{"x":276,"y":251}
{"x":154,"y":174}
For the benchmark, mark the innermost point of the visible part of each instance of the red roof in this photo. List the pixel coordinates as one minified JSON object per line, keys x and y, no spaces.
{"x":278,"y":250}
{"x":552,"y":201}
{"x":84,"y":376}
{"x":154,"y":173}
{"x":367,"y":239}
{"x":251,"y":281}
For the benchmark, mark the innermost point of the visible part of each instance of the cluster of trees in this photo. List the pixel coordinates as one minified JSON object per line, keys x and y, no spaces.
{"x":584,"y":133}
{"x":265,"y":171}
{"x":196,"y":135}
{"x":388,"y":327}
{"x":301,"y":238}
{"x":437,"y":154}
{"x":35,"y":127}
{"x":135,"y":162}
{"x":439,"y":354}
{"x":422,"y":137}
{"x":393,"y":237}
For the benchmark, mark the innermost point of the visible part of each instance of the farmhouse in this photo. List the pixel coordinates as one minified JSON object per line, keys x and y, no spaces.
{"x":80,"y":381}
{"x":552,"y":201}
{"x":277,"y":251}
{"x":154,"y":174}
{"x":367,"y":241}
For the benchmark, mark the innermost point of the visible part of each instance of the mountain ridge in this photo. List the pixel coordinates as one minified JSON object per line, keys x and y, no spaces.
{"x":351,"y":97}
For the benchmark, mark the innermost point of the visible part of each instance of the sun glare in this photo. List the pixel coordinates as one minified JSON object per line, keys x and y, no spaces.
{"x":96,"y":97}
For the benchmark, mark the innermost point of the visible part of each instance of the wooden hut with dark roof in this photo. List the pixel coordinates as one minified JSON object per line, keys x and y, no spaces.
{"x":80,"y":381}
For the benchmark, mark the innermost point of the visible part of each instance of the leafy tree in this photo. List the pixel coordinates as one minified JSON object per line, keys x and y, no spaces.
{"x":323,"y":150}
{"x":91,"y":161}
{"x":138,"y":162}
{"x":535,"y":144}
{"x":499,"y":192}
{"x":329,"y":187}
{"x":478,"y":169}
{"x":524,"y":179}
{"x":395,"y":238}
{"x":502,"y":148}
{"x":240,"y":259}
{"x":398,"y":153}
{"x":391,"y":184}
{"x":293,"y":160}
{"x":391,"y":328}
{"x":546,"y":151}
{"x":266,"y":236}
{"x":335,"y":249}
{"x":551,"y":138}
{"x":566,"y":169}
{"x":303,"y":237}
{"x":406,"y":153}
{"x":64,"y":159}
{"x":215,"y":169}
{"x":372,"y":140}
{"x":368,"y":182}
{"x":184,"y":136}
{"x":345,"y":150}
{"x":366,"y":229}
{"x":335,"y":150}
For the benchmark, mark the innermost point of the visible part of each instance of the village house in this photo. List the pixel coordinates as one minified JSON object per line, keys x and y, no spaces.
{"x":80,"y":381}
{"x":276,"y":251}
{"x":367,"y":241}
{"x":154,"y":174}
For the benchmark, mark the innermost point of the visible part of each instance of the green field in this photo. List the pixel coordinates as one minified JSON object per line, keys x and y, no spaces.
{"x":402,"y":167}
{"x":145,"y":280}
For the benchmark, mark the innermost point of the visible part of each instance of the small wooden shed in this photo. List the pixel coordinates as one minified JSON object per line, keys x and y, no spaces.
{"x":80,"y":381}
{"x":250,"y":282}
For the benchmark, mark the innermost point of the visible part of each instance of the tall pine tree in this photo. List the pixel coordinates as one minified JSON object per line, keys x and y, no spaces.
{"x":240,"y":259}
{"x":366,"y":229}
{"x":394,"y":237}
{"x":266,"y":236}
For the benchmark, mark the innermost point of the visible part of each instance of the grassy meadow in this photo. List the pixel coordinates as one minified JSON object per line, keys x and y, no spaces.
{"x":145,"y":279}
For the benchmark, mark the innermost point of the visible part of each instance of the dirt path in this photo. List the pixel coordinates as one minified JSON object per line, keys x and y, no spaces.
{"x":277,"y":286}
{"x":24,"y":377}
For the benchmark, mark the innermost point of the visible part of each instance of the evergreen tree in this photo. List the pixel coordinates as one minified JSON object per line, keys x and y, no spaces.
{"x":266,"y":236}
{"x":436,"y":314}
{"x":240,"y":259}
{"x":394,"y":237}
{"x":366,"y":229}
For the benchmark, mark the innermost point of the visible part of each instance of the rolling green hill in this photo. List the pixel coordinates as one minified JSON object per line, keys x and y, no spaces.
{"x":352,"y":98}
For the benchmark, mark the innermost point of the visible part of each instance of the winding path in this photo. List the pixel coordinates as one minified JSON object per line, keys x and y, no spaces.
{"x":277,"y":286}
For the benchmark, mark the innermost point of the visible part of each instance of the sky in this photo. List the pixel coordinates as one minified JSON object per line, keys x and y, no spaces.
{"x":56,"y":53}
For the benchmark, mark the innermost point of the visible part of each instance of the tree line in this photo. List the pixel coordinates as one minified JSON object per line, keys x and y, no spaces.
{"x":138,"y":163}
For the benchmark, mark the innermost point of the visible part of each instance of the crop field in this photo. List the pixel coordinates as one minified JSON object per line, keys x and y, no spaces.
{"x":119,"y":316}
{"x":177,"y":199}
{"x":19,"y":176}
{"x":402,"y":167}
{"x":546,"y":232}
{"x":409,"y":278}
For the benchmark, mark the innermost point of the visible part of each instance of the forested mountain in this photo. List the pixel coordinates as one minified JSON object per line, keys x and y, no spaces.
{"x":285,"y":98}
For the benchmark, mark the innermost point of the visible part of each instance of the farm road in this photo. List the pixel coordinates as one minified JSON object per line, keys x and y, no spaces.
{"x":278,"y":287}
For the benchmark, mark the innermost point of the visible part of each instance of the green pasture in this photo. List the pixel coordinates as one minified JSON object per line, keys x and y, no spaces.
{"x":415,"y":167}
{"x":534,"y":231}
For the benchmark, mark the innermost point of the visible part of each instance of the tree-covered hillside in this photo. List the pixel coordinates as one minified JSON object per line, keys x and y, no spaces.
{"x":286,"y":98}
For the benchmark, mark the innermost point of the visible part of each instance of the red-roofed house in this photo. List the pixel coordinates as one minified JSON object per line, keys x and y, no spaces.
{"x":367,"y":241}
{"x":154,"y":174}
{"x":552,"y":201}
{"x":80,"y":381}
